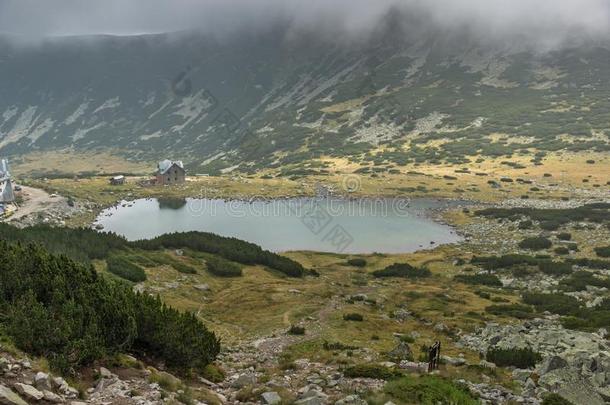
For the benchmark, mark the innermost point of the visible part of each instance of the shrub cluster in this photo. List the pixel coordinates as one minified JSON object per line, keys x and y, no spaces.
{"x":428,"y":390}
{"x":123,"y":268}
{"x":222,"y":268}
{"x":504,"y":261}
{"x":514,"y":310}
{"x":602,"y":251}
{"x":230,"y":248}
{"x":535,"y":243}
{"x":68,"y":313}
{"x":370,"y":370}
{"x":357,"y":262}
{"x":520,"y":358}
{"x":479,"y":279}
{"x":404,"y":270}
{"x":555,"y":268}
{"x":353,"y":317}
{"x":556,"y":303}
{"x":595,"y":212}
{"x":296,"y":330}
{"x":81,"y":245}
{"x":579,"y":281}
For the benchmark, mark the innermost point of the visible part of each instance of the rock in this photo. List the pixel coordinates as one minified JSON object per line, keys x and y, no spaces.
{"x":351,"y":400}
{"x":454,"y":361}
{"x":28,"y":392}
{"x":202,"y":287}
{"x":487,"y":364}
{"x":42,"y":381}
{"x":401,"y":352}
{"x":441,"y":327}
{"x":58,"y":382}
{"x":271,"y":398}
{"x":414,"y":367}
{"x":8,"y":397}
{"x":552,"y":363}
{"x":244,"y":380}
{"x":521,"y":375}
{"x":5,"y":365}
{"x":105,"y":373}
{"x":52,"y":397}
{"x":311,"y":401}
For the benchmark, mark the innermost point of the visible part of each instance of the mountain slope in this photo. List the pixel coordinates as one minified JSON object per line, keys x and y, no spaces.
{"x":267,"y":101}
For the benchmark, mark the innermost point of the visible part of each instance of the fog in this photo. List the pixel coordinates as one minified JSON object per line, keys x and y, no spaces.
{"x":540,"y":23}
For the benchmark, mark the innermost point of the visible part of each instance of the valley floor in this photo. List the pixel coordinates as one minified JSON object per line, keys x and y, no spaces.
{"x":400,"y":317}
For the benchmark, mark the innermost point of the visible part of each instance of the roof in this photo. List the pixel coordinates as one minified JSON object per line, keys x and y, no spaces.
{"x":6,"y":191}
{"x":165,"y":165}
{"x":4,"y":169}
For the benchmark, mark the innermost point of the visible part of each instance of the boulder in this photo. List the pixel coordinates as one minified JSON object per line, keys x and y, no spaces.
{"x":454,"y":361}
{"x":552,"y":363}
{"x":28,"y":392}
{"x":42,"y":381}
{"x":414,"y":367}
{"x":243,"y":380}
{"x":8,"y":397}
{"x":311,"y":401}
{"x":52,"y":397}
{"x":351,"y":400}
{"x":105,"y":373}
{"x":401,"y":352}
{"x":487,"y":364}
{"x":271,"y":398}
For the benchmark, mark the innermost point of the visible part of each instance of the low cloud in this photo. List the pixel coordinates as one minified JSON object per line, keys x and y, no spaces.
{"x":544,"y":23}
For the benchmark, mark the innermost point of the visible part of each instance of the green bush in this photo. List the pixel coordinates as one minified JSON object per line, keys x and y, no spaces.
{"x":555,"y":268}
{"x":404,"y":270}
{"x":555,"y":399}
{"x":479,"y":279}
{"x":514,"y":310}
{"x":184,"y":268}
{"x":370,"y":370}
{"x":564,"y":236}
{"x":330,"y":346}
{"x":353,"y":317}
{"x":602,"y":251}
{"x":81,"y":245}
{"x":520,"y":358}
{"x":59,"y":309}
{"x":428,"y":390}
{"x":504,"y":261}
{"x":579,"y":281}
{"x":535,"y":243}
{"x":555,"y":303}
{"x":119,"y":266}
{"x":357,"y":262}
{"x":562,"y":250}
{"x":213,"y":373}
{"x":222,"y":268}
{"x":296,"y":330}
{"x":229,"y":248}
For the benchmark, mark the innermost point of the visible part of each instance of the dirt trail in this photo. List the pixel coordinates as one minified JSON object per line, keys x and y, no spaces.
{"x":35,"y":201}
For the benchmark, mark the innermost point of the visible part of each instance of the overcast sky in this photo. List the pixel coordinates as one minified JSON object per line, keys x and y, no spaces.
{"x":540,"y":21}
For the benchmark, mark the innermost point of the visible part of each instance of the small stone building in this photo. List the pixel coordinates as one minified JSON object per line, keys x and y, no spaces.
{"x":117,"y":180}
{"x":170,"y":172}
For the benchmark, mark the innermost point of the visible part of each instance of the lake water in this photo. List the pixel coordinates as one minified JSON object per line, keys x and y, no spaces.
{"x":324,"y":225}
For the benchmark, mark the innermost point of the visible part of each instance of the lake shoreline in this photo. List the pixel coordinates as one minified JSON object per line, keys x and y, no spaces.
{"x":407,"y":225}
